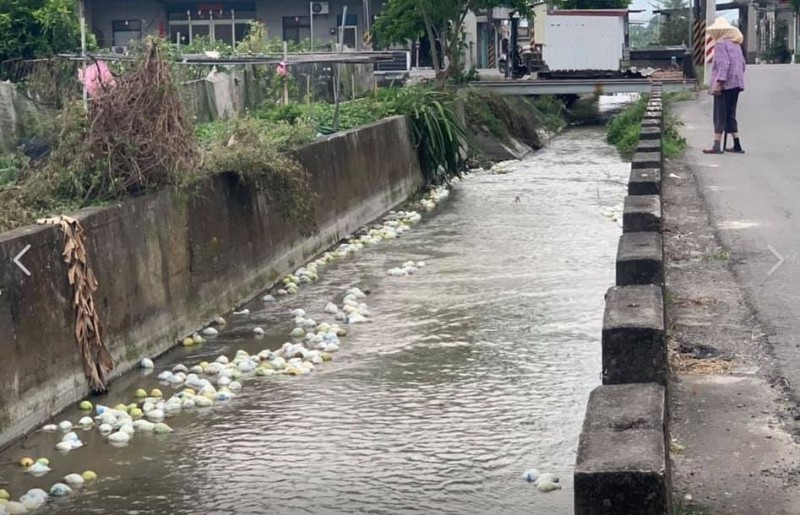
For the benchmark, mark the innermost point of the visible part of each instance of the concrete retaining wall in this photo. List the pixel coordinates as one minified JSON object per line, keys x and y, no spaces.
{"x":167,"y":263}
{"x":623,"y":466}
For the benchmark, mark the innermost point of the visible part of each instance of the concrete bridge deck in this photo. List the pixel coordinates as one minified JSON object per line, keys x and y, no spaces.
{"x":580,"y":87}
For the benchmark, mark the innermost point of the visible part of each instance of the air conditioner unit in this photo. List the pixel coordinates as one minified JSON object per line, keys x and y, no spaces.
{"x":119,"y":50}
{"x":320,"y":7}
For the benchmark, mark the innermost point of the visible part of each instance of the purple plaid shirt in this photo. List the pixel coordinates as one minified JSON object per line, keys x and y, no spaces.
{"x":729,"y":65}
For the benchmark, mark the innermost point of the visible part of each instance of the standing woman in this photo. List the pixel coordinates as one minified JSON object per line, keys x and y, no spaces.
{"x":727,"y":81}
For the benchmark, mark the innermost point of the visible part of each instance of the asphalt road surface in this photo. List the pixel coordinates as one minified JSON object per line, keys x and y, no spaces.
{"x":754,"y":201}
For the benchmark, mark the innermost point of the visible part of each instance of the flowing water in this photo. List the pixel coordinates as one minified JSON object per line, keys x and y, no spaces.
{"x":473,"y":370}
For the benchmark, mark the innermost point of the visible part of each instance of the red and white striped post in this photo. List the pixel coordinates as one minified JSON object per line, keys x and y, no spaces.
{"x":711,"y":15}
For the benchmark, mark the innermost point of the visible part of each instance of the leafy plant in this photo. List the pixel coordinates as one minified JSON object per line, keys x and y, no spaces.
{"x":441,"y":21}
{"x":37,"y":28}
{"x":551,"y":112}
{"x":459,"y":76}
{"x":778,"y":49}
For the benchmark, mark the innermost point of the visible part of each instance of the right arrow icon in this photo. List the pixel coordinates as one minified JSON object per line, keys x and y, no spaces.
{"x":780,"y":260}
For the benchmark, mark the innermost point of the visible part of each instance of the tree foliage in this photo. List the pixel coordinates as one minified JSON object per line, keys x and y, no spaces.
{"x":37,"y":28}
{"x":675,"y":29}
{"x":440,"y":20}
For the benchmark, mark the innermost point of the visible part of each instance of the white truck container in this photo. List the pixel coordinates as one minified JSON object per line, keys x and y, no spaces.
{"x":584,"y":40}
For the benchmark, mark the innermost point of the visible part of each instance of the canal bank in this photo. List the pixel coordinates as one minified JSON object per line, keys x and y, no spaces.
{"x":473,"y":370}
{"x":167,"y":263}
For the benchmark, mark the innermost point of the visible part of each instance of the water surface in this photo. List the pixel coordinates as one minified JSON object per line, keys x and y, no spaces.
{"x":473,"y":370}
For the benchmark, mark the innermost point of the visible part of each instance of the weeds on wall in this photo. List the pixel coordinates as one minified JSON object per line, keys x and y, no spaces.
{"x":245,"y":148}
{"x":505,"y":117}
{"x":623,"y":130}
{"x":437,"y":133}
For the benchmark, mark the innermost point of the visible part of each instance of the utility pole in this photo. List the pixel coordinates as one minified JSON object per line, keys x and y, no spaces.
{"x":711,"y":14}
{"x":82,"y":9}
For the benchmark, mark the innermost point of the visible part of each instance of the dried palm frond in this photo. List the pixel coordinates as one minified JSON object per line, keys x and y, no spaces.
{"x":97,"y":361}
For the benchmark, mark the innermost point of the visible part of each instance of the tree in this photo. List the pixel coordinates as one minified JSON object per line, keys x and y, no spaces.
{"x":675,"y":29}
{"x":642,"y":36}
{"x":37,"y":28}
{"x":441,"y":21}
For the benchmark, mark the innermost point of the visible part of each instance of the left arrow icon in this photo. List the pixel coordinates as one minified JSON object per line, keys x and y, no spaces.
{"x":19,"y":256}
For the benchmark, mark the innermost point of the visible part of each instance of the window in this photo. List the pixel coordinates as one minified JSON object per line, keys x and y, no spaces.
{"x":350,"y":34}
{"x":351,"y":21}
{"x":296,"y":28}
{"x":125,"y":31}
{"x":227,"y":22}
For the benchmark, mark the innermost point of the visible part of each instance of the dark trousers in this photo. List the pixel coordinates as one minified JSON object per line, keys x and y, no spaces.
{"x":725,"y":111}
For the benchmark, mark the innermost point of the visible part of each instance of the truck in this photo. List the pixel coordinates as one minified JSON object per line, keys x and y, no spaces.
{"x":572,"y":44}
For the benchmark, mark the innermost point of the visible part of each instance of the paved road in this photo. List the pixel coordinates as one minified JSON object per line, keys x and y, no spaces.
{"x":754,"y":200}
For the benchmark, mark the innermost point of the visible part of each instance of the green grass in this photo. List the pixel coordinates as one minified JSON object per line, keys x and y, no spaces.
{"x":623,"y":130}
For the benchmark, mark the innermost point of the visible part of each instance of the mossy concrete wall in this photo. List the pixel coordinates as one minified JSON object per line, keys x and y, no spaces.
{"x":167,"y":263}
{"x":20,"y":118}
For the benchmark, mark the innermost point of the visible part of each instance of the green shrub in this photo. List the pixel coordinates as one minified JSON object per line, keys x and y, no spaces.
{"x":623,"y":129}
{"x":246,"y":149}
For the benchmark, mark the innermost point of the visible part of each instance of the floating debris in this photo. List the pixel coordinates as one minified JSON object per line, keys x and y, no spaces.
{"x":60,"y":490}
{"x":205,"y":384}
{"x":74,"y":480}
{"x":38,"y":469}
{"x":544,"y":482}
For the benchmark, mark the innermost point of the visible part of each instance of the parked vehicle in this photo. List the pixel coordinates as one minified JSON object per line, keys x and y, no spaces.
{"x":575,"y":44}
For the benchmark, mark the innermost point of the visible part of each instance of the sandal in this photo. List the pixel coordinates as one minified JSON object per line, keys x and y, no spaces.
{"x":712,"y":151}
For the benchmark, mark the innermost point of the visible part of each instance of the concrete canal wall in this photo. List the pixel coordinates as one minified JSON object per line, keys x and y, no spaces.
{"x":167,"y":263}
{"x":623,"y":465}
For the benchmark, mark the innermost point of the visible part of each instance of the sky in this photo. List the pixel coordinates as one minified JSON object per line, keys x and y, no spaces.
{"x":648,"y":5}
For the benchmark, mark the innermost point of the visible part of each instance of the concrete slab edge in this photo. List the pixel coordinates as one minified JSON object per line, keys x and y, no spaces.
{"x":623,"y":464}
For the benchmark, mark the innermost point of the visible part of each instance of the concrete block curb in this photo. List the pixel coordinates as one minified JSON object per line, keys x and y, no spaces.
{"x":642,"y":160}
{"x":646,"y":181}
{"x":640,"y":259}
{"x":649,"y":145}
{"x":634,"y":339}
{"x":651,"y":122}
{"x":641,"y":213}
{"x":649,"y":133}
{"x":622,"y":466}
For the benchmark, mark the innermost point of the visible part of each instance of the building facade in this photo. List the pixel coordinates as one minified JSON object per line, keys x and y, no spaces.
{"x":116,"y":22}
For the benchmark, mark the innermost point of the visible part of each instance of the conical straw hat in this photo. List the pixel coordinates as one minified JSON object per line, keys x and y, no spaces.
{"x":722,"y":29}
{"x":721,"y":23}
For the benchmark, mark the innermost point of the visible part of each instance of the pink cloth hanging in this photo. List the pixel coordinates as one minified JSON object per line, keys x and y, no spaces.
{"x":97,"y":77}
